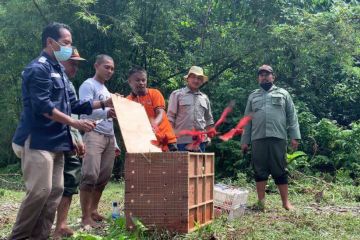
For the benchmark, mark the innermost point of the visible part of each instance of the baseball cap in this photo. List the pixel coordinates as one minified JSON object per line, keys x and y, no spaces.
{"x":265,"y":68}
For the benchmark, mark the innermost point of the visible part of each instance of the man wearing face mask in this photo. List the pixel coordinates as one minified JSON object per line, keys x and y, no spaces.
{"x":274,"y":118}
{"x":43,"y":133}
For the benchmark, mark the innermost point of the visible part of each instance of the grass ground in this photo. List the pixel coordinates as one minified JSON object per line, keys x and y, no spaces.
{"x":323,"y":211}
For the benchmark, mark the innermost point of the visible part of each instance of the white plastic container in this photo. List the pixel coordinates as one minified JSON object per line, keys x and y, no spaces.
{"x":230,"y":200}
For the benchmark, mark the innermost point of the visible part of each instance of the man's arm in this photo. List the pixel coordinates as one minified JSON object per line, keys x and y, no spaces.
{"x":75,"y":134}
{"x":172,"y":108}
{"x":292,"y":122}
{"x":246,"y":136}
{"x":292,"y":119}
{"x":94,"y":104}
{"x":117,"y":148}
{"x":159,"y":105}
{"x":159,"y":115}
{"x":80,"y":107}
{"x":77,"y":106}
{"x":39,"y":84}
{"x":86,"y":93}
{"x":209,"y":120}
{"x":41,"y":103}
{"x":77,"y":141}
{"x":60,"y":117}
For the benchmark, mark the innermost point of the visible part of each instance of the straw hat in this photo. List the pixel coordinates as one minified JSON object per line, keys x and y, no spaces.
{"x":198,"y":71}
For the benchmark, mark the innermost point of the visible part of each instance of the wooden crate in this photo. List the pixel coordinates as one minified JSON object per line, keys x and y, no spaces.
{"x":171,"y":190}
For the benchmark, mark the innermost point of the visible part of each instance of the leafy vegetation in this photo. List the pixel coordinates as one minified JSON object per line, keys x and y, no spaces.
{"x":312,"y":45}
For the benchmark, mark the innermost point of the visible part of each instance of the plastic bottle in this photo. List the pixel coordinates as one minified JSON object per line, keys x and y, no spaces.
{"x":115,"y":211}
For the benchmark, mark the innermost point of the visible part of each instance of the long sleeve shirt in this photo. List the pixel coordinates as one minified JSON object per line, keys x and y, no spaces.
{"x":273,"y":113}
{"x":45,"y":87}
{"x":75,"y":134}
{"x":189,"y":110}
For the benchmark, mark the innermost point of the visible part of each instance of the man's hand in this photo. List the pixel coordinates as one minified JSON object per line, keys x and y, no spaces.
{"x":117,"y":151}
{"x":83,"y":125}
{"x":244,"y":148}
{"x":294,"y":144}
{"x":108,"y":103}
{"x":211,"y":133}
{"x":111,"y":113}
{"x":80,"y":149}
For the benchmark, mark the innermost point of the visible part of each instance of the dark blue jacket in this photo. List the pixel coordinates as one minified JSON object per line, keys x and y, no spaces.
{"x":45,"y":87}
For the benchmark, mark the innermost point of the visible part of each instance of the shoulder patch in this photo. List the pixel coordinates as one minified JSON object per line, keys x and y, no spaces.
{"x":55,"y":75}
{"x":42,"y":59}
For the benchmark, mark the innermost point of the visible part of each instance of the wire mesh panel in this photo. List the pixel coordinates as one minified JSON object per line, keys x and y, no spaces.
{"x":172,"y":190}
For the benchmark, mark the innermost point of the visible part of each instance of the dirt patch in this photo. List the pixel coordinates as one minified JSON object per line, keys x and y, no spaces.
{"x":8,"y":211}
{"x":335,"y":209}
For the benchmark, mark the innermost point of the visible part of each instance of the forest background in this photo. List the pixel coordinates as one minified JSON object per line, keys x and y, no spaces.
{"x":312,"y":45}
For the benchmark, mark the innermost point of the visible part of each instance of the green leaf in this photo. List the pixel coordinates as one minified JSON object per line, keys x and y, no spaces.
{"x":294,"y":155}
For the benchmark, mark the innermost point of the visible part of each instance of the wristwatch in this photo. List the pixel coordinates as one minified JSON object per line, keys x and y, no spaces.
{"x":102,"y":103}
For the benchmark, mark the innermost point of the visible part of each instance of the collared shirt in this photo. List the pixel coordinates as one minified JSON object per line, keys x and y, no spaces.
{"x":189,"y":110}
{"x":45,"y":87}
{"x":151,"y":101}
{"x":274,"y":115}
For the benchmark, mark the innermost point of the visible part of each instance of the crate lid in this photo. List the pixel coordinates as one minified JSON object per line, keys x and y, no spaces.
{"x":134,"y":125}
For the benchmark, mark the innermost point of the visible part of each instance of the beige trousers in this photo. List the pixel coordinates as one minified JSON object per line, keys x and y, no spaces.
{"x":98,"y":161}
{"x":43,"y":176}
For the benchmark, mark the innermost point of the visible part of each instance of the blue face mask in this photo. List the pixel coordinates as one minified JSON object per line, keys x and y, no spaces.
{"x":63,"y":54}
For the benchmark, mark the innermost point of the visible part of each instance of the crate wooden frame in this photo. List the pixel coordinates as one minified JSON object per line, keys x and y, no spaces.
{"x":171,"y":190}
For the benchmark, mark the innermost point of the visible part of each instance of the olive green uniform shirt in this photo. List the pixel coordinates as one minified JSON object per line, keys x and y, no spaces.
{"x":75,"y":134}
{"x":274,"y":115}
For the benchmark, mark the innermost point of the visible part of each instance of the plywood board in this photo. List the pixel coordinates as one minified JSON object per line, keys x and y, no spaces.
{"x":134,"y":125}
